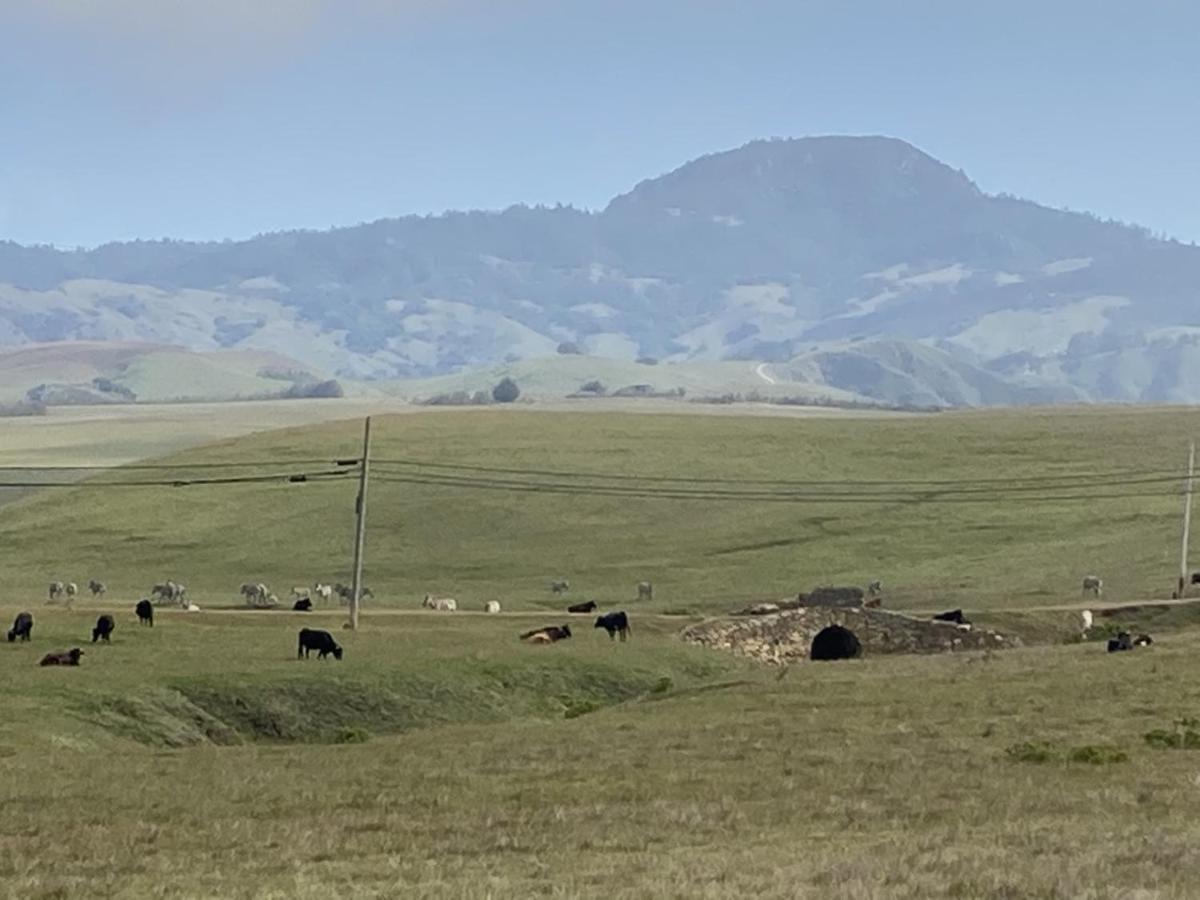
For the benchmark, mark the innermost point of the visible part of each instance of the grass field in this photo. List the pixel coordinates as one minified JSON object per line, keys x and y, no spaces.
{"x":442,"y":758}
{"x":703,"y":555}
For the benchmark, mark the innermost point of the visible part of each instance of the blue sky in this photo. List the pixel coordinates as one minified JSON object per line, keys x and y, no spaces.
{"x":151,"y":118}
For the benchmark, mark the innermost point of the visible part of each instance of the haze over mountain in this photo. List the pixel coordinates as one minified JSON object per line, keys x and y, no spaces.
{"x":860,"y":263}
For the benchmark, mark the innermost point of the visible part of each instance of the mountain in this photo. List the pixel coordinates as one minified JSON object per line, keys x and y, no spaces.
{"x":860,"y":262}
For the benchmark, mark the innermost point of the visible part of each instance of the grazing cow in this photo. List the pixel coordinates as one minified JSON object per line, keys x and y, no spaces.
{"x":72,"y":589}
{"x":547,"y":635}
{"x":1121,"y":642}
{"x":589,"y":606}
{"x":955,"y":616}
{"x":22,"y":628}
{"x":97,"y":588}
{"x":104,"y":629}
{"x":300,"y":592}
{"x":835,"y":642}
{"x":560,"y":587}
{"x":321,"y":641}
{"x":169,"y":591}
{"x":145,"y":612}
{"x":304,"y":604}
{"x":492,"y":606}
{"x":440,"y":604}
{"x":1143,"y":640}
{"x":70,"y":658}
{"x":614,"y":623}
{"x":645,"y":591}
{"x":1093,"y":585}
{"x":57,"y":589}
{"x":323,"y":591}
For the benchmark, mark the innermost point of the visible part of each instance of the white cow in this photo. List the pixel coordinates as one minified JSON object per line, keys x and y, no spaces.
{"x":645,"y":591}
{"x":299,"y":592}
{"x":1086,"y":616}
{"x":324,"y":591}
{"x":440,"y":604}
{"x":492,"y":606}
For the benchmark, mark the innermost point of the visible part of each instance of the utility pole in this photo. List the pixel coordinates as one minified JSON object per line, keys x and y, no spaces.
{"x":360,"y":531}
{"x":1184,"y":576}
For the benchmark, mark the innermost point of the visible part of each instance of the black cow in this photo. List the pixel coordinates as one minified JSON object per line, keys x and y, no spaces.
{"x":104,"y":629}
{"x":321,"y":641}
{"x":547,"y":635}
{"x":145,"y":612}
{"x":1143,"y":640}
{"x":22,"y":627}
{"x":614,"y":623}
{"x":589,"y":606}
{"x":955,"y":615}
{"x":304,"y":604}
{"x":1121,"y":642}
{"x":70,"y":658}
{"x":1196,"y":578}
{"x":835,"y":642}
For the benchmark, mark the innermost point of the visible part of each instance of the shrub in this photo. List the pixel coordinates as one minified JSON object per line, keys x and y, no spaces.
{"x":647,"y":361}
{"x":569,"y":348}
{"x":352,"y":735}
{"x":1097,"y":756}
{"x":22,"y":408}
{"x":1182,"y":737}
{"x":506,"y":391}
{"x":593,"y":387}
{"x":1032,"y":751}
{"x":321,"y":390}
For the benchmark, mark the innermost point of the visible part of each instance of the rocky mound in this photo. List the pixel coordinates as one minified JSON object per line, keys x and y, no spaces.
{"x":786,"y":636}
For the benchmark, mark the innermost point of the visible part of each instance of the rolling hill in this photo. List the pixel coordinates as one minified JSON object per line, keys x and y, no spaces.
{"x":861,"y":262}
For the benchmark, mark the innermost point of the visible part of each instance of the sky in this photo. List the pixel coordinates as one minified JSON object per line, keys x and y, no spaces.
{"x":209,"y":119}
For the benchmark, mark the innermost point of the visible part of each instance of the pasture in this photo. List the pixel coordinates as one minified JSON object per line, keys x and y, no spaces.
{"x":443,"y":758}
{"x":993,"y":539}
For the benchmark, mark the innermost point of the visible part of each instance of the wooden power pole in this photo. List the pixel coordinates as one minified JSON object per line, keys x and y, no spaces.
{"x":360,"y":530}
{"x":1184,"y":575}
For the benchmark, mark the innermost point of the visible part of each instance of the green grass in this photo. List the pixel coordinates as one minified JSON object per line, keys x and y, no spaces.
{"x":443,"y":758}
{"x":702,"y":555}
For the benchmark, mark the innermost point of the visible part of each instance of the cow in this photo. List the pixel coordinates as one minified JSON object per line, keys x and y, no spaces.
{"x":548,"y":635}
{"x":169,"y":591}
{"x":645,"y":591}
{"x":321,"y":641}
{"x":191,"y":607}
{"x":875,"y":588}
{"x":1086,"y":619}
{"x":589,"y":606}
{"x":71,"y":589}
{"x":440,"y":604}
{"x":835,"y":642}
{"x":560,"y":587}
{"x":104,"y":629}
{"x":323,"y":591}
{"x":1093,"y":585}
{"x":614,"y":623}
{"x":492,"y":606}
{"x":1121,"y":642}
{"x":304,"y":604}
{"x":22,"y":628}
{"x":255,"y":594}
{"x":300,"y":592}
{"x":145,"y":612}
{"x":97,"y":588}
{"x":1143,"y":640}
{"x":57,"y":589}
{"x":955,"y":616}
{"x":69,"y":658}
{"x":1195,"y":578}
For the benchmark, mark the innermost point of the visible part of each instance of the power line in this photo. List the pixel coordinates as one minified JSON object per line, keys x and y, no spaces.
{"x":275,"y":477}
{"x":1082,"y":477}
{"x":933,"y":497}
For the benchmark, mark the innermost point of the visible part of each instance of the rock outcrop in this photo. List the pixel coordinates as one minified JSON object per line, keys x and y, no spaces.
{"x":785,"y":636}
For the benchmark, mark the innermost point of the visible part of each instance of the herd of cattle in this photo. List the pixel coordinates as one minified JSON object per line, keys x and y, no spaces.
{"x":615,"y":624}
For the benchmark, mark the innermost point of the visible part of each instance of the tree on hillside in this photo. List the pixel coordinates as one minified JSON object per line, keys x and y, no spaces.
{"x":506,"y":391}
{"x":569,"y":348}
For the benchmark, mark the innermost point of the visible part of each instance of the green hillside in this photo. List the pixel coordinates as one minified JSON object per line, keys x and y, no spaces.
{"x":990,"y":539}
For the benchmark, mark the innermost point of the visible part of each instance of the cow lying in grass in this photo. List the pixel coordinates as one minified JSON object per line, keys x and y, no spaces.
{"x":614,"y":623}
{"x":548,"y":635}
{"x":321,"y":641}
{"x":304,"y":604}
{"x":70,"y":658}
{"x":589,"y":606}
